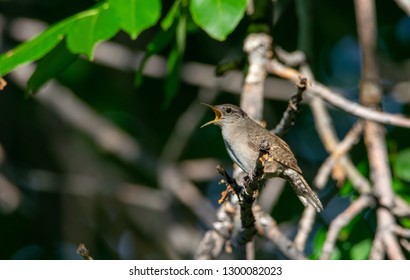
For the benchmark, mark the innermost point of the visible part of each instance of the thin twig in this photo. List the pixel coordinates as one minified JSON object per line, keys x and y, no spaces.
{"x":401,"y":208}
{"x":406,"y":244}
{"x":292,"y":111}
{"x":291,"y":59}
{"x":305,"y":227}
{"x":403,"y":232}
{"x":359,"y":182}
{"x":267,"y":227}
{"x":404,"y":5}
{"x":342,"y":220}
{"x":216,"y":240}
{"x":338,"y":100}
{"x":385,"y":228}
{"x":341,"y":149}
{"x":377,"y":251}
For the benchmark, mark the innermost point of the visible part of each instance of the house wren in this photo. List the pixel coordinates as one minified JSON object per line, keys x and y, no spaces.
{"x":243,"y":137}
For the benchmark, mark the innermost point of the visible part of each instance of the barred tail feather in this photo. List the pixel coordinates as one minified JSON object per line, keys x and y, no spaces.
{"x":302,"y":189}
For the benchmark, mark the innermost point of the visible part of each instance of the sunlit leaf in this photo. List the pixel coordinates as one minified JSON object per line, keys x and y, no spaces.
{"x":100,"y":24}
{"x":35,"y":48}
{"x":361,"y":250}
{"x":137,"y":15}
{"x":347,"y":189}
{"x":217,"y":17}
{"x":336,"y":254}
{"x":319,"y":240}
{"x":167,"y":22}
{"x":405,"y":222}
{"x":85,"y":29}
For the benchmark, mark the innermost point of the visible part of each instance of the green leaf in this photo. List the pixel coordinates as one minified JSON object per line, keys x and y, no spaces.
{"x":161,"y":40}
{"x":175,"y":58}
{"x":346,"y":231}
{"x":172,"y":82}
{"x":402,"y":165}
{"x":402,"y":189}
{"x":347,"y":189}
{"x":99,"y":24}
{"x":399,"y":186}
{"x":137,"y":15}
{"x":181,"y":33}
{"x":83,"y":33}
{"x":167,"y":22}
{"x":217,"y":17}
{"x":319,"y":240}
{"x":361,"y":250}
{"x":318,"y":243}
{"x":336,"y":254}
{"x":50,"y":66}
{"x":405,"y":222}
{"x":35,"y":48}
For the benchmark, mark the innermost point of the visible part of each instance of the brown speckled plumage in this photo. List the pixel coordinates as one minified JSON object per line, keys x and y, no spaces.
{"x":243,"y":137}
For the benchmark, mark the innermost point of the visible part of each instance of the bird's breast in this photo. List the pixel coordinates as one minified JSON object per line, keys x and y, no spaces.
{"x":236,"y":143}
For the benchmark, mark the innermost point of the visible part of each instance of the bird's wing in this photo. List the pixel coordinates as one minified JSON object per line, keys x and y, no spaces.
{"x":279,"y":151}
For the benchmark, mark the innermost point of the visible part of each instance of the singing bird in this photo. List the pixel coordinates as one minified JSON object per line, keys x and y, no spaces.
{"x":243,"y":137}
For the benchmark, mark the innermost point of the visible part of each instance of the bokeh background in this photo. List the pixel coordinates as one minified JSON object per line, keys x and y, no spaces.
{"x":125,"y":169}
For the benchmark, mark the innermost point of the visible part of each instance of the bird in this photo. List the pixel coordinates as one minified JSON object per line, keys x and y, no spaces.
{"x":243,"y":138}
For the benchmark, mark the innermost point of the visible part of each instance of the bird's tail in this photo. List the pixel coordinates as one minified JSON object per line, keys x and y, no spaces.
{"x":302,"y":189}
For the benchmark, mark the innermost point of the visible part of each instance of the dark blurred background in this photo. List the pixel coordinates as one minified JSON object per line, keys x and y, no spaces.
{"x":94,"y":159}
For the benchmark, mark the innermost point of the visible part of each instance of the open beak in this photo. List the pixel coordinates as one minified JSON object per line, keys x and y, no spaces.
{"x":218,"y":115}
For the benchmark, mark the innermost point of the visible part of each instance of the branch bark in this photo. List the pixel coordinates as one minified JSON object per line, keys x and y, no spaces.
{"x":374,"y":133}
{"x":267,"y":227}
{"x":342,"y":220}
{"x":337,"y":100}
{"x":292,"y":111}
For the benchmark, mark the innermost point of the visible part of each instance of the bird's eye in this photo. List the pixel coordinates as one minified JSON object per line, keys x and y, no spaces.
{"x":228,"y":110}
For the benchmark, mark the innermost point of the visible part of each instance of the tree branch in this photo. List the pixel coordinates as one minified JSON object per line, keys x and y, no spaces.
{"x":258,"y":48}
{"x":335,"y":99}
{"x":305,"y":227}
{"x":292,"y":111}
{"x":218,"y":238}
{"x":342,"y":220}
{"x":374,"y":133}
{"x":404,"y":5}
{"x":267,"y":227}
{"x":341,"y":149}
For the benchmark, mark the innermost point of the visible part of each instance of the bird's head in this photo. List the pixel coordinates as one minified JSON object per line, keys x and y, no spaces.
{"x":225,"y":114}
